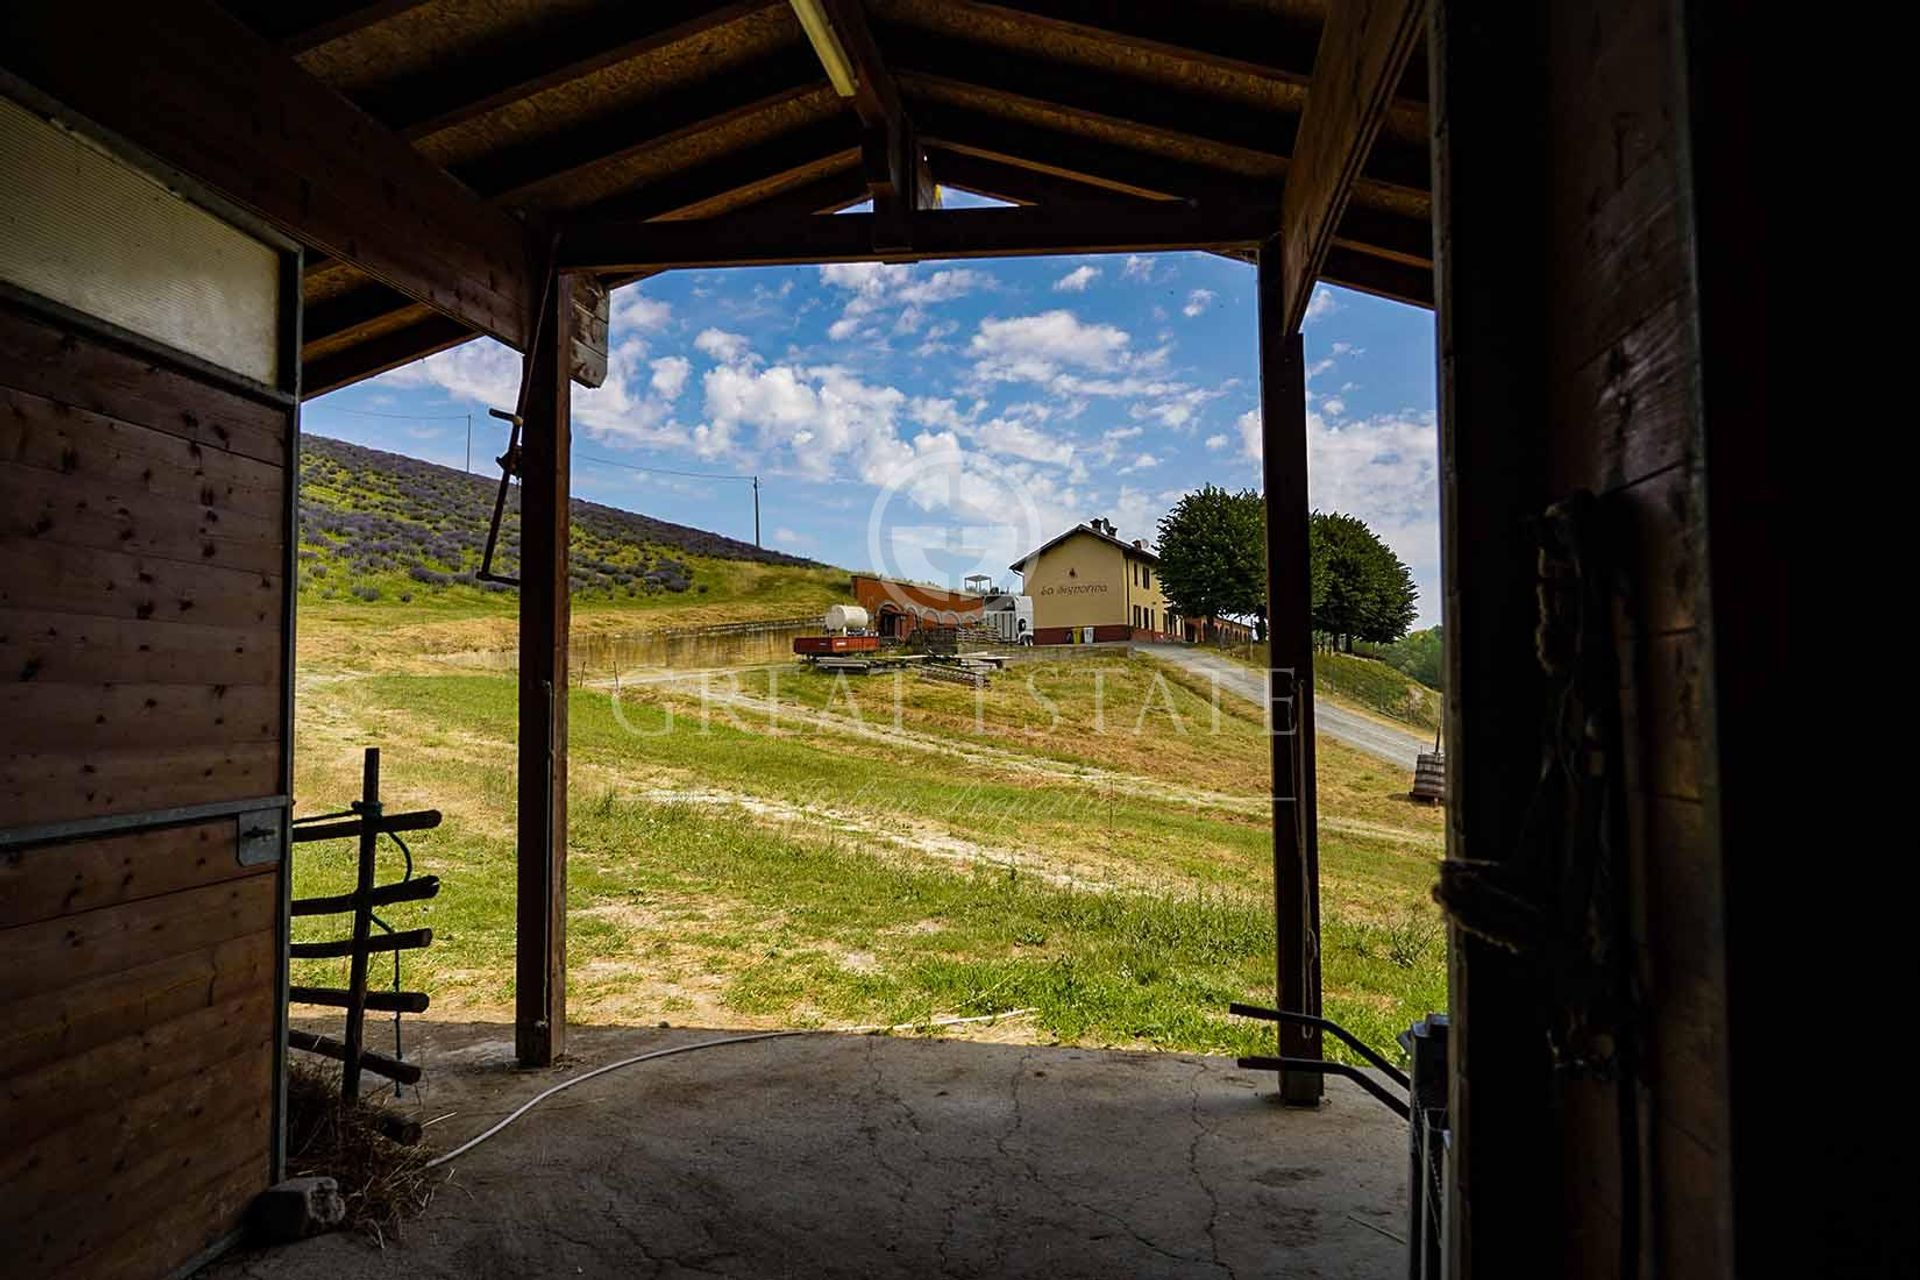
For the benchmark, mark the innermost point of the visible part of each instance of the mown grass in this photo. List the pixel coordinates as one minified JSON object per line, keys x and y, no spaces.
{"x":1129,"y":920}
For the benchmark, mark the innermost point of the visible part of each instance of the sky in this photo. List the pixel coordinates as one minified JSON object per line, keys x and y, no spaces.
{"x":939,"y":419}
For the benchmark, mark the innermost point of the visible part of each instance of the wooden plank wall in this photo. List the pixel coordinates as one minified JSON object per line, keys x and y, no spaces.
{"x":1571,"y":361}
{"x":142,"y":543}
{"x":1623,"y":373}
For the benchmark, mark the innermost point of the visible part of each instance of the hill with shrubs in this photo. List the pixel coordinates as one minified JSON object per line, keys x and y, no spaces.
{"x":378,"y":527}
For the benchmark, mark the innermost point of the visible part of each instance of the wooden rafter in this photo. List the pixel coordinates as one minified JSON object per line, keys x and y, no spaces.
{"x":202,"y":92}
{"x":1112,"y":226}
{"x":549,"y":161}
{"x":1402,"y":271}
{"x":798,"y":155}
{"x":1245,"y":39}
{"x":1117,"y":168}
{"x":369,"y":330}
{"x":1364,"y":49}
{"x":299,"y":25}
{"x":378,"y":355}
{"x":1381,"y":277}
{"x":516,"y":70}
{"x":1233,"y":37}
{"x":928,"y":62}
{"x":998,"y":180}
{"x":890,"y":152}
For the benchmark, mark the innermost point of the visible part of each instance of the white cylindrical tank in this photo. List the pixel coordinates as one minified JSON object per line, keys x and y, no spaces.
{"x":846,"y":617}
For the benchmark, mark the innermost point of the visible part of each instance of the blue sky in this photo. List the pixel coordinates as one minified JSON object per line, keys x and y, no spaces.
{"x":937,"y":419}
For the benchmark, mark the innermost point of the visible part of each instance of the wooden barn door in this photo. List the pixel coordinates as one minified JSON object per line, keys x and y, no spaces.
{"x":148,"y":428}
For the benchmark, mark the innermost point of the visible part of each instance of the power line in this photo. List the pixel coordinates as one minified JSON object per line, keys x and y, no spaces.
{"x":400,"y":417}
{"x":692,"y":475}
{"x":660,"y":471}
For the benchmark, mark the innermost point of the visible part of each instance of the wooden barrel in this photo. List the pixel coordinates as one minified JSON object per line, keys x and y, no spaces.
{"x":1430,"y":777}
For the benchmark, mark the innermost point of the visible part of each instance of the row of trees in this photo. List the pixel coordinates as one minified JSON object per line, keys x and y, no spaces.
{"x":1213,"y":562}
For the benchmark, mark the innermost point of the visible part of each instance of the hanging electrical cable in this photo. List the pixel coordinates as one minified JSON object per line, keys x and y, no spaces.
{"x":673,"y":1050}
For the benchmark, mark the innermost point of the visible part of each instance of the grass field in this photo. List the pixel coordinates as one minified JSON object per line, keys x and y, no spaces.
{"x":1088,"y":838}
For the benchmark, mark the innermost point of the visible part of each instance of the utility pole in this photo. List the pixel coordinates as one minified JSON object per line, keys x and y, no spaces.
{"x":756,"y":511}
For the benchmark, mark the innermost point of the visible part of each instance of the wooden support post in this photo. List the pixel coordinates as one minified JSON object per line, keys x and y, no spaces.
{"x":1491,"y":149}
{"x":540,"y":1000}
{"x":1296,"y":864}
{"x":369,"y":811}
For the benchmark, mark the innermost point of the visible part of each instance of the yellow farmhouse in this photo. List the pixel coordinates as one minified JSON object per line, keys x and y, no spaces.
{"x":1089,"y":584}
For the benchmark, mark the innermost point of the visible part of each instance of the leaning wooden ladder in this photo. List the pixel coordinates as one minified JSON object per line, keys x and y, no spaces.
{"x":366,"y":820}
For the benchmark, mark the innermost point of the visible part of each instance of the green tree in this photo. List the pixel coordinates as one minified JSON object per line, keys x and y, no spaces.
{"x":1361,"y":589}
{"x":1422,"y":655}
{"x":1212,"y":554}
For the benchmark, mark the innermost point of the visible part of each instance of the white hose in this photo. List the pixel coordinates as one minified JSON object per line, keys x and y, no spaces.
{"x":539,"y":1098}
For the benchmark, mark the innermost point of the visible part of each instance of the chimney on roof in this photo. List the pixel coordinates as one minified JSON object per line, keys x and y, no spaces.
{"x":1139,"y":545}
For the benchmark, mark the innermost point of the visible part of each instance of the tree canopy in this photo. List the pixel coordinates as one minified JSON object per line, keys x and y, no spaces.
{"x":1213,"y":562}
{"x":1421,"y":655}
{"x":1213,"y":555}
{"x":1361,"y":589}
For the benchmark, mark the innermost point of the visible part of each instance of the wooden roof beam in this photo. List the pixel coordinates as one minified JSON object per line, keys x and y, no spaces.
{"x":1365,"y":233}
{"x":336,"y":354}
{"x":1245,"y":39}
{"x":1118,"y":168}
{"x":799,"y":155}
{"x":930,"y":62}
{"x":520,"y":170}
{"x":1366,"y":272}
{"x":299,"y":25}
{"x":1232,"y":37}
{"x":1109,"y":226}
{"x":998,"y":180}
{"x":1364,"y":49}
{"x":193,"y":85}
{"x":896,"y":170}
{"x":448,"y":95}
{"x":386,"y":352}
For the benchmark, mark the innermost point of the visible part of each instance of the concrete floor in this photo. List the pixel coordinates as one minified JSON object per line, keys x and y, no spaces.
{"x":831,"y":1155}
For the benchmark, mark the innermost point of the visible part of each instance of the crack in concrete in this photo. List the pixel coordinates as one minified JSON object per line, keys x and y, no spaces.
{"x":876,"y":1087}
{"x":1034,"y":1175}
{"x":1201,"y":1131}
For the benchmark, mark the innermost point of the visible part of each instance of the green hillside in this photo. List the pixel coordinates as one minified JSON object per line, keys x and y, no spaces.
{"x":380,"y":529}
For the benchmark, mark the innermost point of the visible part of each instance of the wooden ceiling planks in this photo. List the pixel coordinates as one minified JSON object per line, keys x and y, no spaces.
{"x":698,"y":108}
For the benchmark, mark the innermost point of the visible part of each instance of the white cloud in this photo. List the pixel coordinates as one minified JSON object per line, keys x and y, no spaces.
{"x":1248,"y":424}
{"x":1137,"y":267}
{"x":1145,"y":462}
{"x":1216,"y":443}
{"x":728,"y":348}
{"x":1333,"y":406}
{"x":1177,"y":406}
{"x":1324,"y":304}
{"x":882,"y":286}
{"x":670,"y":376}
{"x":631,"y":309}
{"x":1076,"y":280}
{"x":1010,"y":438}
{"x":1038,"y":348}
{"x":1197,"y":301}
{"x":793,"y":538}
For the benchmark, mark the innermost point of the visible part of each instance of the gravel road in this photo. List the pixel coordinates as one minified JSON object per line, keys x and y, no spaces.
{"x":1397,"y":746}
